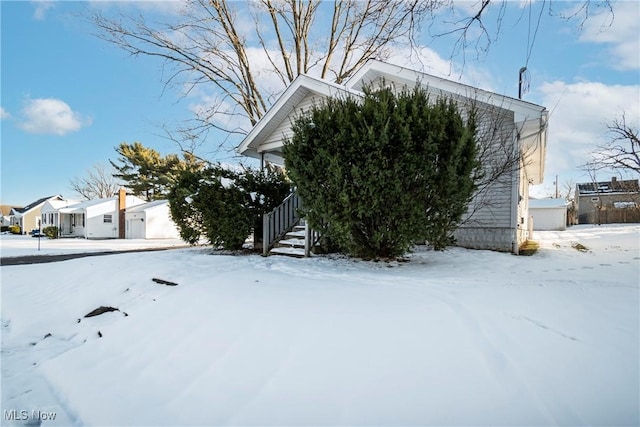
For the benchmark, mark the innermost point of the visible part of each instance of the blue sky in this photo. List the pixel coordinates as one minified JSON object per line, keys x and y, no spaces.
{"x":68,"y":98}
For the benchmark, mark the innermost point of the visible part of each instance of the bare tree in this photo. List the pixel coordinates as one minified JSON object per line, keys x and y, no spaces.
{"x":99,"y":183}
{"x":481,"y":26}
{"x":246,"y":53}
{"x":210,"y":44}
{"x":622,"y":150}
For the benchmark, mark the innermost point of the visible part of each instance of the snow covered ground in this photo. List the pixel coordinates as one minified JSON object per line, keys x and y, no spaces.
{"x":460,"y":337}
{"x":14,"y":245}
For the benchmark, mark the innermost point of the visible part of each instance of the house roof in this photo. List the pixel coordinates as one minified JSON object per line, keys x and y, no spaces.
{"x":302,"y":86}
{"x":82,"y":206}
{"x":547,"y":203}
{"x":375,"y":69}
{"x":608,"y":187}
{"x":56,"y":205}
{"x":35,"y":204}
{"x":147,"y":206}
{"x":531,"y":119}
{"x":5,"y":210}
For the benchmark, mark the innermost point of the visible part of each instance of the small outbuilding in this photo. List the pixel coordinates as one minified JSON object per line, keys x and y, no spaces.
{"x":548,"y":214}
{"x":150,"y":221}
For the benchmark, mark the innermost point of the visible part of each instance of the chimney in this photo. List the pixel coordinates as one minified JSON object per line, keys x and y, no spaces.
{"x":122,"y":204}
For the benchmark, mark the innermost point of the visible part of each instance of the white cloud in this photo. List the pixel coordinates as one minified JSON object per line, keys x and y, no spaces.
{"x":50,"y":116}
{"x":41,"y":7}
{"x":579,"y":114}
{"x":4,"y":114}
{"x":168,"y":7}
{"x":619,"y":32}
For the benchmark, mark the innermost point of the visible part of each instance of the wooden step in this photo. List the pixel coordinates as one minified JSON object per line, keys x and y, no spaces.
{"x":290,"y":243}
{"x":295,"y":235}
{"x":292,"y":252}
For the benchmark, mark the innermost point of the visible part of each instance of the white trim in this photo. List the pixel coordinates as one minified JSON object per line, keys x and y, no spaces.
{"x":285,"y":104}
{"x":523,"y":109}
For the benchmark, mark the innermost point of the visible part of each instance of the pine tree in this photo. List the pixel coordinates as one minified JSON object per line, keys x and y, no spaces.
{"x":146,"y":173}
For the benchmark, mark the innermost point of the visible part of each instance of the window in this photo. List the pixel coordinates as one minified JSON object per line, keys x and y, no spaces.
{"x":108,"y":219}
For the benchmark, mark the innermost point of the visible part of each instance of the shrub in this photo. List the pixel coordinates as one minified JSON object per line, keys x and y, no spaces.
{"x":4,"y":228}
{"x":51,"y":232}
{"x":224,"y":206}
{"x":15,"y":229}
{"x":379,"y":173}
{"x":267,"y":188}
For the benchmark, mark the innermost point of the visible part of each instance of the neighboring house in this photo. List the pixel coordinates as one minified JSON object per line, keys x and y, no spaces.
{"x":150,"y":221}
{"x":5,"y":214}
{"x":28,"y":218}
{"x":548,"y":214}
{"x":615,"y":201}
{"x":50,"y":212}
{"x":94,"y":219}
{"x":500,"y":212}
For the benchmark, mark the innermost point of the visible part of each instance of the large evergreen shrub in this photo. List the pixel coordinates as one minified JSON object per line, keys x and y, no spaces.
{"x":224,"y":206}
{"x":377,"y":174}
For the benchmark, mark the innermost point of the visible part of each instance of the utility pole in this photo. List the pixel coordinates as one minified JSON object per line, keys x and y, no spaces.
{"x":557,"y":194}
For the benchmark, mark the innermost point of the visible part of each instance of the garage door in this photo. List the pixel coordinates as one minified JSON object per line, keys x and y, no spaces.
{"x":135,"y":228}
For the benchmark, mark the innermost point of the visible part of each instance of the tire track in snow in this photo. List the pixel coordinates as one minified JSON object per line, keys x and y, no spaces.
{"x":503,"y":368}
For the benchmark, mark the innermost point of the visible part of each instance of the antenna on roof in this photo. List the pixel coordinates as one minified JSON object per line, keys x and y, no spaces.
{"x":523,"y":82}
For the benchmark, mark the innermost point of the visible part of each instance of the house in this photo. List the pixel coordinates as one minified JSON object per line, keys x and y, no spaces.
{"x":607,"y":202}
{"x":150,"y":221}
{"x":92,"y":219}
{"x":548,"y":214}
{"x":5,"y":214}
{"x":28,"y":218}
{"x":498,"y":215}
{"x":50,"y":215}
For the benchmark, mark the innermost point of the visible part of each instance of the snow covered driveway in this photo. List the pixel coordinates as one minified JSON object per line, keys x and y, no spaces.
{"x":455,"y":338}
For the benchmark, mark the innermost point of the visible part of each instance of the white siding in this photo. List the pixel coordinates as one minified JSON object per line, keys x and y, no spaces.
{"x":549,"y":218}
{"x":489,"y":223}
{"x":152,"y":223}
{"x":490,"y":219}
{"x":283,"y":130}
{"x":96,"y":228}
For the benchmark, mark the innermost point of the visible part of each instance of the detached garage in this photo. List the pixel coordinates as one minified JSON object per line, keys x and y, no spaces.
{"x":548,"y":214}
{"x":150,"y":221}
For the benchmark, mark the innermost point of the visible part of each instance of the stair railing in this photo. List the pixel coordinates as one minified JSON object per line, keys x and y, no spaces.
{"x":280,"y":220}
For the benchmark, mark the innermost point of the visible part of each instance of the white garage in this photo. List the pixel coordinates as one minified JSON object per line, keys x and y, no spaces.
{"x":150,"y":221}
{"x":548,"y":214}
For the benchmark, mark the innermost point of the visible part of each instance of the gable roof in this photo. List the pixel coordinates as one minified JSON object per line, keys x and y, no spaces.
{"x":35,"y":204}
{"x":5,"y":210}
{"x":530,"y":119}
{"x":374,"y":70}
{"x":302,"y":86}
{"x":55,"y":205}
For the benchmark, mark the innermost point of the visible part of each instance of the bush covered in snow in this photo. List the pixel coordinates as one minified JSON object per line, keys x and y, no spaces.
{"x":379,"y":173}
{"x":223,"y":206}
